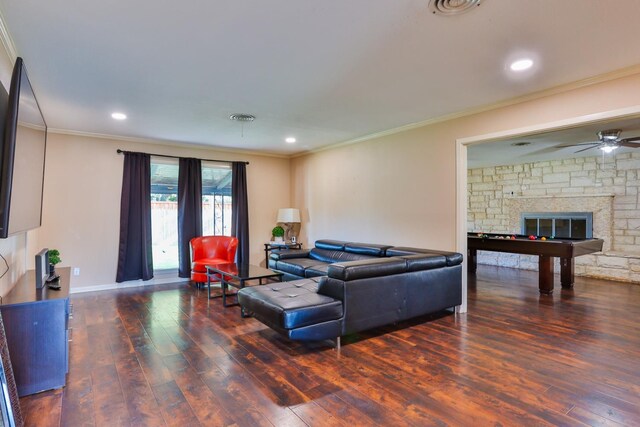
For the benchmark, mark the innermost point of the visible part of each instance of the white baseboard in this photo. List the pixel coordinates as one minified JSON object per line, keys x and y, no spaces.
{"x":128,"y":284}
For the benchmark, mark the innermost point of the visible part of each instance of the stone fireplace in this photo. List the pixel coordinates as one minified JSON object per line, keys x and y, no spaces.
{"x":599,"y":205}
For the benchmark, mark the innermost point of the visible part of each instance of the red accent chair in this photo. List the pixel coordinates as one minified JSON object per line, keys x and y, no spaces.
{"x":210,"y":250}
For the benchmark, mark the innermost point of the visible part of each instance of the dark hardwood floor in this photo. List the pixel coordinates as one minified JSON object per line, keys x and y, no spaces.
{"x":168,"y":356}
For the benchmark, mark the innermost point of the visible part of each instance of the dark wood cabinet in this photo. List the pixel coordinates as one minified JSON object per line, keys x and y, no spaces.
{"x":36,"y":323}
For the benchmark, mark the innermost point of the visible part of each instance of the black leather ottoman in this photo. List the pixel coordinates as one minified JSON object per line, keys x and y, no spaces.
{"x":294,"y":309}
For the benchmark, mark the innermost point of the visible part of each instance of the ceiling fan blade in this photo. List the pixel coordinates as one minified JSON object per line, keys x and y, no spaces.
{"x":634,"y":139}
{"x":545,"y":150}
{"x":588,"y":148}
{"x":578,"y":144}
{"x":627,"y":143}
{"x":555,"y":148}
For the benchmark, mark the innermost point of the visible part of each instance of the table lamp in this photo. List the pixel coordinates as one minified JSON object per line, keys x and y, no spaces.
{"x":288,"y":217}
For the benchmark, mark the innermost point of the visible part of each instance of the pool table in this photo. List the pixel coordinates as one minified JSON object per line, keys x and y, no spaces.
{"x":546,"y":250}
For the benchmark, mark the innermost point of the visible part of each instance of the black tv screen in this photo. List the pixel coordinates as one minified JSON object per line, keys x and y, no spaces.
{"x":22,"y":157}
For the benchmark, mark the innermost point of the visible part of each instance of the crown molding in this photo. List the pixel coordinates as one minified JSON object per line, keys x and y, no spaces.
{"x":7,"y":41}
{"x":601,"y":78}
{"x":177,"y":144}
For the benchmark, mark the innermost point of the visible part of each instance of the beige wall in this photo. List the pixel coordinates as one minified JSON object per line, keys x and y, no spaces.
{"x":82,"y":200}
{"x":401,"y":188}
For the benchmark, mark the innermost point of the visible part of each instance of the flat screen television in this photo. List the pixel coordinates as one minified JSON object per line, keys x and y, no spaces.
{"x":22,"y":157}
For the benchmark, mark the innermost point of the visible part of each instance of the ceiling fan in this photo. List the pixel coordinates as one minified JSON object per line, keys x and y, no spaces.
{"x":609,"y":140}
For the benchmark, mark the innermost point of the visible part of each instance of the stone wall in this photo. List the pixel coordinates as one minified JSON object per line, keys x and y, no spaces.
{"x":607,"y":186}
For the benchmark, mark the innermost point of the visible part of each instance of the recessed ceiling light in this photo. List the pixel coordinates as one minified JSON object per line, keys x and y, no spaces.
{"x":118,"y":116}
{"x":521,"y":64}
{"x":290,"y":140}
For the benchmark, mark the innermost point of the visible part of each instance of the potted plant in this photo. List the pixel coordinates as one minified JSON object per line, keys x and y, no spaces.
{"x":277,"y":233}
{"x":54,"y":258}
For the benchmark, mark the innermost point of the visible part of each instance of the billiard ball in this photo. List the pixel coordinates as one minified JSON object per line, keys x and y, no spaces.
{"x":513,"y":237}
{"x":543,"y":238}
{"x":532,"y":237}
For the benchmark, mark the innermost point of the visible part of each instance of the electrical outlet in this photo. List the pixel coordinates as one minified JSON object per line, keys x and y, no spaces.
{"x":76,"y":271}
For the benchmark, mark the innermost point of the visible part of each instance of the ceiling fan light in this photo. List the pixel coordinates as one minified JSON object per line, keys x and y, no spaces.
{"x":608,"y":148}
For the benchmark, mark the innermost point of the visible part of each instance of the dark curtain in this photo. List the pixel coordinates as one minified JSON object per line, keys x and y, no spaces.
{"x":134,"y":252}
{"x":189,"y":210}
{"x":240,"y":211}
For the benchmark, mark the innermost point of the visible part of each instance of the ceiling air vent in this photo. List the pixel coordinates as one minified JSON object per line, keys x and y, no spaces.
{"x":242,"y":117}
{"x":452,"y":7}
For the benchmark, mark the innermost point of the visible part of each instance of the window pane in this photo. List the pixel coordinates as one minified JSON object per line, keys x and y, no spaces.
{"x":563,"y":228}
{"x":164,"y":213}
{"x":546,"y":227}
{"x":579,"y":228}
{"x":530,"y":226}
{"x":216,"y":215}
{"x":216,"y":199}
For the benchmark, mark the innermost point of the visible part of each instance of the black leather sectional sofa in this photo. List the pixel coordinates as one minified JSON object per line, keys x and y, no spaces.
{"x":341,"y":288}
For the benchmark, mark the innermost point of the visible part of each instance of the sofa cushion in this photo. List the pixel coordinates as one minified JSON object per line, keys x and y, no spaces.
{"x":331,"y":245}
{"x":335,"y":256}
{"x":366,"y":249}
{"x":290,"y":305}
{"x":317,"y":270}
{"x":453,"y":258}
{"x":296,"y":266}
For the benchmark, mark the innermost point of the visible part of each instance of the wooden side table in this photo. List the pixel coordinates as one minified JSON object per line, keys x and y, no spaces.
{"x":270,"y":246}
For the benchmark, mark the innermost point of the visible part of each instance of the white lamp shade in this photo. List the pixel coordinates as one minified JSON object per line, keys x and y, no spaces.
{"x":288,"y":215}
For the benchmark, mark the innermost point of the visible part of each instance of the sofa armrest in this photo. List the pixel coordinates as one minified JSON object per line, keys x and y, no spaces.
{"x":331,"y":287}
{"x":363,"y":269}
{"x":289,"y":254}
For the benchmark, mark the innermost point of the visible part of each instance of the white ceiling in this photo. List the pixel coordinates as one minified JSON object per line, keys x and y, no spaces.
{"x":545,"y":146}
{"x":323,"y":71}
